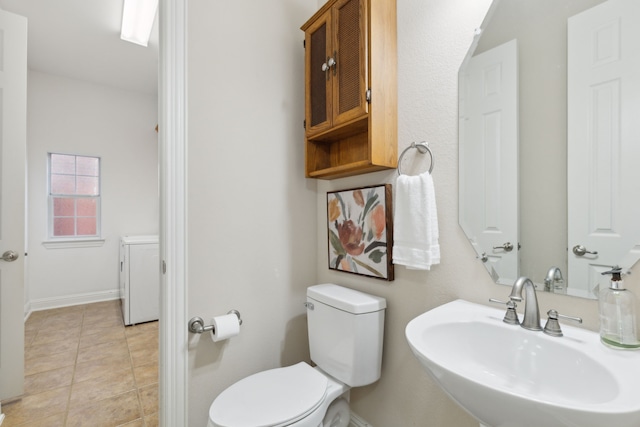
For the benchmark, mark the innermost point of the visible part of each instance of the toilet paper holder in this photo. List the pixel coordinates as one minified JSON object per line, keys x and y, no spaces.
{"x":196,"y":324}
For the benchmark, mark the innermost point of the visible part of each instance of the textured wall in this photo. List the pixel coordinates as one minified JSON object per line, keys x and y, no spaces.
{"x":76,"y":117}
{"x":433,"y":38}
{"x":257,"y":228}
{"x":252,"y":215}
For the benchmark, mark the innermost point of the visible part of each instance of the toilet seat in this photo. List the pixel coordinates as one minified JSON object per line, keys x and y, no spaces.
{"x":274,"y":398}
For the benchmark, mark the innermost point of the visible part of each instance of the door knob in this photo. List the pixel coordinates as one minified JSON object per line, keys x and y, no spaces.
{"x":10,"y":256}
{"x":508,"y":247}
{"x":580,"y":250}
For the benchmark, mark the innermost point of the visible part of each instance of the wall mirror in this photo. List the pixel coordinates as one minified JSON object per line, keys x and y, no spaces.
{"x":548,"y":141}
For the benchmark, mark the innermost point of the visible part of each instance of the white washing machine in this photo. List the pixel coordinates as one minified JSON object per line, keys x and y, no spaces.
{"x":139,"y":278}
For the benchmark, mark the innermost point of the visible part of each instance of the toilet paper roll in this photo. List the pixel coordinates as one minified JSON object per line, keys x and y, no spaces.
{"x":225,"y":327}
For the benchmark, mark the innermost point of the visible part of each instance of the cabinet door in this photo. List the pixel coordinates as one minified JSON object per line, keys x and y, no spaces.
{"x":349,"y":74}
{"x":318,"y":75}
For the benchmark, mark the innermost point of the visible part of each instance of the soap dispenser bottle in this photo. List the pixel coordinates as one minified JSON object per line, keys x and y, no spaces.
{"x":617,"y":314}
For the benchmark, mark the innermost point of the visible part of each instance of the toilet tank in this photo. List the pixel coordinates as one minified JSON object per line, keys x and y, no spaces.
{"x":345,"y":333}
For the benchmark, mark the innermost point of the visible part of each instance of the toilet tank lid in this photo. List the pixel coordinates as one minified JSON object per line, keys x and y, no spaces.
{"x":346,"y":299}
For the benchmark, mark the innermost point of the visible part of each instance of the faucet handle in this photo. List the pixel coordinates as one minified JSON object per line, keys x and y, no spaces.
{"x":510,"y":317}
{"x":553,"y":326}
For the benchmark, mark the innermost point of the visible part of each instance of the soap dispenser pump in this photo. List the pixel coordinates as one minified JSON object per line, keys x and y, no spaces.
{"x":617,"y":314}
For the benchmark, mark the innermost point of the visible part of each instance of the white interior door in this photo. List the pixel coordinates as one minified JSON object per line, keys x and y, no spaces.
{"x":489,"y":158}
{"x":603,"y":139}
{"x":13,"y":128}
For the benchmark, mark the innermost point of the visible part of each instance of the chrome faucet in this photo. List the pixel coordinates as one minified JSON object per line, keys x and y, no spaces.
{"x":554,"y":275}
{"x":531,"y":318}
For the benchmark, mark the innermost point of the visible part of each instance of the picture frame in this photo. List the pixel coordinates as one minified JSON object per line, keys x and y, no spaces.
{"x":360,"y":231}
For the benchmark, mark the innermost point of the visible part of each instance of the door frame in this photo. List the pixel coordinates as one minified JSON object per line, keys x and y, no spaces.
{"x":172,"y":132}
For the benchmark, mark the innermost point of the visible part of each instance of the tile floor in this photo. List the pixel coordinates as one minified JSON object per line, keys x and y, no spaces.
{"x":83,"y":367}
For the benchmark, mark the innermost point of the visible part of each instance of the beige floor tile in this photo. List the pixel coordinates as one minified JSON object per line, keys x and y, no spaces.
{"x":100,"y":315}
{"x":104,"y":350}
{"x":46,"y":363}
{"x":148,"y":339}
{"x":62,"y":311}
{"x":109,"y":384}
{"x":143,"y":345}
{"x":35,"y":317}
{"x":97,"y":368}
{"x":151,"y":420}
{"x":143,"y":356}
{"x":137,"y":423}
{"x":63,"y":317}
{"x":56,"y":420}
{"x":109,"y":412}
{"x":29,"y":336}
{"x":48,"y":380}
{"x":34,"y":321}
{"x":146,"y":374}
{"x":79,"y":370}
{"x":98,"y":328}
{"x":102,"y":335}
{"x":47,"y":349}
{"x":34,"y":407}
{"x":60,"y":324}
{"x":99,"y":322}
{"x":104,"y":307}
{"x":142,"y":329}
{"x":45,"y":337}
{"x":149,"y":399}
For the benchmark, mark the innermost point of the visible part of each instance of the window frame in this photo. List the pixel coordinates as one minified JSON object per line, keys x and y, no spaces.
{"x":97,"y":237}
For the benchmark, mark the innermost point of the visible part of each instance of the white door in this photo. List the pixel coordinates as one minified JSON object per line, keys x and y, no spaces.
{"x":603,"y":139}
{"x":13,"y":128}
{"x":489,"y":158}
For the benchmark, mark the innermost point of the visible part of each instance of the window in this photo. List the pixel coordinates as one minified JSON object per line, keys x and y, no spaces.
{"x":74,"y":196}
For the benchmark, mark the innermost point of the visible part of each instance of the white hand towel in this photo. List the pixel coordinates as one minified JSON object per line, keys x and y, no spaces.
{"x":415,"y":225}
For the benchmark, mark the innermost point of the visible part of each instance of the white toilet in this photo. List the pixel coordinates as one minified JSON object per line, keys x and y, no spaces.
{"x":345,"y":342}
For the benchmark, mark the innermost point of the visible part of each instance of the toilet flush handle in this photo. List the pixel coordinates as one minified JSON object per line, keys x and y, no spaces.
{"x":309,"y":305}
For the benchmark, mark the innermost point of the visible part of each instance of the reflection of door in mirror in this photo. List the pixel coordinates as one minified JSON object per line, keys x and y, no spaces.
{"x":603,"y":150}
{"x":544,"y":189}
{"x":489,"y":158}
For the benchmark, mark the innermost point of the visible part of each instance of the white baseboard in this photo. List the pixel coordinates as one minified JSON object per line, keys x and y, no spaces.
{"x":69,"y":300}
{"x":357,"y":421}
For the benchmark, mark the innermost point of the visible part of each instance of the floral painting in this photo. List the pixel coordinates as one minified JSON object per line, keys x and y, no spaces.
{"x":361,"y":231}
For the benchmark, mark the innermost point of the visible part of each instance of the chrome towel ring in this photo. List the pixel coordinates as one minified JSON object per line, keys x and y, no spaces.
{"x":423,"y":148}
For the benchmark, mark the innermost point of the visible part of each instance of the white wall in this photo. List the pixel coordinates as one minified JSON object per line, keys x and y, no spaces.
{"x":71,"y":116}
{"x":257,"y":227}
{"x":433,"y":38}
{"x":251,"y":213}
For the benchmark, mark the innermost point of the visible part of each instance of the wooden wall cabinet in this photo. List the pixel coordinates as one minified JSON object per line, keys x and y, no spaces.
{"x":351,"y":88}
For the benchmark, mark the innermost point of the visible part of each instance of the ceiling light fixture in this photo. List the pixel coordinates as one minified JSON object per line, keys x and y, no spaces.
{"x":137,"y":20}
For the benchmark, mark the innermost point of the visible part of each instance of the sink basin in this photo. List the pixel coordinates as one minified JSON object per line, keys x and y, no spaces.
{"x":507,"y":376}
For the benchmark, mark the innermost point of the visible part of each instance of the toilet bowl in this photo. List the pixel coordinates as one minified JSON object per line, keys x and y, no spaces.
{"x":294,"y":396}
{"x":345,"y":341}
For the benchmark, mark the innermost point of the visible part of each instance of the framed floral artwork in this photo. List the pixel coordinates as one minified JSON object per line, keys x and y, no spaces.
{"x":361,"y":231}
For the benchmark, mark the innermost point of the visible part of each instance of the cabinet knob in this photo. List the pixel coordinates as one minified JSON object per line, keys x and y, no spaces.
{"x":331,"y":62}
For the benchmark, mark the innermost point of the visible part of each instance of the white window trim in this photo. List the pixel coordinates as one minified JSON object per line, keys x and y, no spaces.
{"x":56,"y":242}
{"x":73,"y":243}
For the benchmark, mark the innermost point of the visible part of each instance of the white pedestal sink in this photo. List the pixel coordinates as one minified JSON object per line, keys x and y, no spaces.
{"x":507,"y":376}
